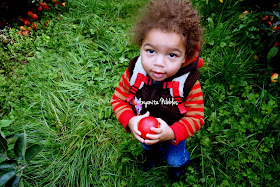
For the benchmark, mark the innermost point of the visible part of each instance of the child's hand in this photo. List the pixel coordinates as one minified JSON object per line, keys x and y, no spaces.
{"x":133,"y":126}
{"x":163,"y":133}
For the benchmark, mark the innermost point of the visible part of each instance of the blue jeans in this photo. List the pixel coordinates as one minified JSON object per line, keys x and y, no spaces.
{"x":175,"y":155}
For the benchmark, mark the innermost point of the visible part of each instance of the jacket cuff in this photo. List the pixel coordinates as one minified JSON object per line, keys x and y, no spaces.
{"x":124,"y":119}
{"x":179,"y":132}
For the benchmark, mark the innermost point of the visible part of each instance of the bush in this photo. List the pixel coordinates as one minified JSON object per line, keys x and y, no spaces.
{"x":11,"y":169}
{"x":271,"y":29}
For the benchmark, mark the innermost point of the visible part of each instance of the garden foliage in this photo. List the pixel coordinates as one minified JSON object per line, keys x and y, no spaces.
{"x":11,"y":169}
{"x":56,"y":85}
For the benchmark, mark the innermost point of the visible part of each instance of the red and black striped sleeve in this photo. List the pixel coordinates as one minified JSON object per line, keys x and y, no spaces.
{"x":193,"y":119}
{"x":122,"y":109}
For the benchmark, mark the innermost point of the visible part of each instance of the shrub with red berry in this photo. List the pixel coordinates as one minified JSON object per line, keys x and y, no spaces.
{"x":271,"y":29}
{"x":36,"y":18}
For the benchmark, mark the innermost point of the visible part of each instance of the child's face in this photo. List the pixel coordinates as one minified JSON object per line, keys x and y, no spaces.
{"x":162,"y":54}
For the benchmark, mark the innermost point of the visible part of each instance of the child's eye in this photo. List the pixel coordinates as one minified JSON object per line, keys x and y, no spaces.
{"x":150,"y":51}
{"x":172,"y":55}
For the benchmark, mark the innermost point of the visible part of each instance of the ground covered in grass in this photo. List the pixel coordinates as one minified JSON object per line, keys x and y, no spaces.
{"x":60,"y":96}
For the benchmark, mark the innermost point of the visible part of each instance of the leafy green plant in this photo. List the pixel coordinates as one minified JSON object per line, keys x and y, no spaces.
{"x":11,"y":169}
{"x":272,"y":52}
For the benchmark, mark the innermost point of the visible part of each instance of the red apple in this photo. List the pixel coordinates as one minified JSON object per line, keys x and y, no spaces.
{"x":200,"y":63}
{"x":145,"y":124}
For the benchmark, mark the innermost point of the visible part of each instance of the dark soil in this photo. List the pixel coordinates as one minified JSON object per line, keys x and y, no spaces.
{"x":11,"y":10}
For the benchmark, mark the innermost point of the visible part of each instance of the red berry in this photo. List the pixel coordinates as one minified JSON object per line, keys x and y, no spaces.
{"x":46,"y":24}
{"x":22,"y":28}
{"x":29,"y":13}
{"x":40,"y":8}
{"x":274,"y":77}
{"x":25,"y":22}
{"x":265,"y":18}
{"x":276,"y":44}
{"x":25,"y":33}
{"x":34,"y":16}
{"x":46,"y":7}
{"x":270,"y":24}
{"x":145,"y":124}
{"x":34,"y":25}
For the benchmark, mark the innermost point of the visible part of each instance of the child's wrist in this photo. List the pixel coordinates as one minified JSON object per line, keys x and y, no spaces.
{"x":171,"y":134}
{"x":130,"y":123}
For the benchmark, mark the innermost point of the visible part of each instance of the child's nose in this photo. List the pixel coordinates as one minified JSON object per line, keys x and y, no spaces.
{"x":159,"y":61}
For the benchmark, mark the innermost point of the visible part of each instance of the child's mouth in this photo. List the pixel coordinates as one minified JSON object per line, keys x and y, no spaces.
{"x":158,"y":75}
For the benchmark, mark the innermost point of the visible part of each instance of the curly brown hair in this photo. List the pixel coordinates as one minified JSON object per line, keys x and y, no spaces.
{"x":171,"y":15}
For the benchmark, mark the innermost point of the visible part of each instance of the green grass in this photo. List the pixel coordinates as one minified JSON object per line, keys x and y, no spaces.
{"x":61,"y":99}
